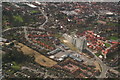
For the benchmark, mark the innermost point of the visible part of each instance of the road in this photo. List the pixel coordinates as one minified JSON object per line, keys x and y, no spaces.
{"x":25,"y":28}
{"x":41,"y":26}
{"x":16,"y":28}
{"x":104,"y":67}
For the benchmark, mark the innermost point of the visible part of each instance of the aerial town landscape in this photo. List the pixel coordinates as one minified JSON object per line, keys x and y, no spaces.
{"x":60,"y":40}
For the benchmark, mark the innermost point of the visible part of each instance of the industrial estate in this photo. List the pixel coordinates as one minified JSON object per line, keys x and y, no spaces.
{"x":60,"y":40}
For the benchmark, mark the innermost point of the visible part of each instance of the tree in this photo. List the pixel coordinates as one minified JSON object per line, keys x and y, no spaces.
{"x":17,"y":56}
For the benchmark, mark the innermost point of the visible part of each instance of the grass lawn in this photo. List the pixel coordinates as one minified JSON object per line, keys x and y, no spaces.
{"x":97,"y":54}
{"x":113,"y":24}
{"x":107,"y":44}
{"x":16,"y":66}
{"x":113,"y":38}
{"x":18,"y":18}
{"x":10,"y":71}
{"x":33,"y":11}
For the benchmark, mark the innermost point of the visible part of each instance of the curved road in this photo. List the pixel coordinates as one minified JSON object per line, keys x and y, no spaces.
{"x":104,"y":67}
{"x":45,"y":18}
{"x":25,"y":28}
{"x":41,"y":27}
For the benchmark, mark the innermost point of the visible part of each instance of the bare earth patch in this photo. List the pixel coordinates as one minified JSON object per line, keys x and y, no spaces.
{"x":39,"y":58}
{"x":97,"y":66}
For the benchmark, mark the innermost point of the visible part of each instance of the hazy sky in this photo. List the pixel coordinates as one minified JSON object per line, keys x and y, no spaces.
{"x":64,"y":0}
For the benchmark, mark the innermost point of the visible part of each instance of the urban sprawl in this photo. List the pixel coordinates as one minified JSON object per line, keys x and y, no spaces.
{"x":60,"y":40}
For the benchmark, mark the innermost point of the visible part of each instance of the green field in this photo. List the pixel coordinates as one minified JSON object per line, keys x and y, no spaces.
{"x":113,"y":38}
{"x":18,"y":18}
{"x":33,"y":11}
{"x":107,"y":44}
{"x":15,"y":66}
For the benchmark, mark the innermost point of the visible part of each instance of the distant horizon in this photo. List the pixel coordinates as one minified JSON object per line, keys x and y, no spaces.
{"x":61,"y":0}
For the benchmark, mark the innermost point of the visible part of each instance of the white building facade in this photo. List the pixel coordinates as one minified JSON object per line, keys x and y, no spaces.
{"x":79,"y":42}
